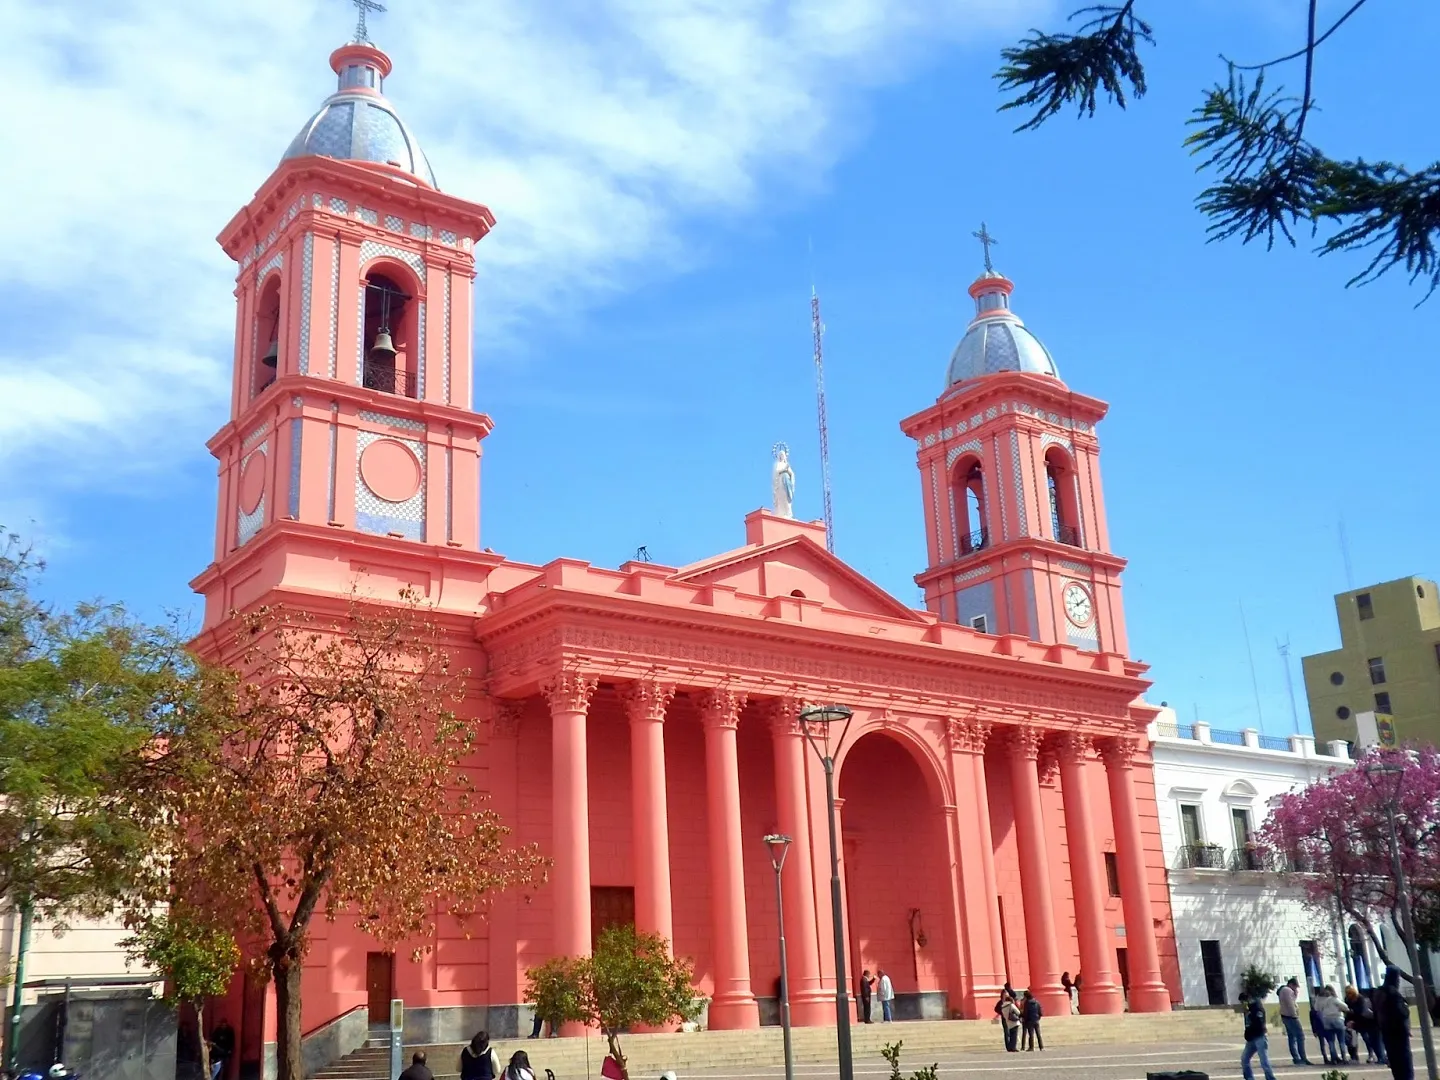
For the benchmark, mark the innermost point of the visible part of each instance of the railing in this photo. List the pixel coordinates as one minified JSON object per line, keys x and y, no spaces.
{"x":1247,"y":859}
{"x":1068,"y":534}
{"x":1200,"y":857}
{"x":1227,"y":738}
{"x":389,"y":380}
{"x":1176,"y":731}
{"x":1274,"y":742}
{"x":974,"y":542}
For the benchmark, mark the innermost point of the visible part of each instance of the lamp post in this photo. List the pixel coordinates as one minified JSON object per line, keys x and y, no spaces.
{"x":1385,"y":767}
{"x":779,"y":844}
{"x":824,"y":717}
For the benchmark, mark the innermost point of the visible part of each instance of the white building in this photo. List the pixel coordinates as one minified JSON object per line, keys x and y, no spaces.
{"x":1213,"y":790}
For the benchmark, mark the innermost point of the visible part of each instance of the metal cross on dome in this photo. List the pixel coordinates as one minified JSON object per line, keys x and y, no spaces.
{"x":364,"y":7}
{"x":983,"y":236}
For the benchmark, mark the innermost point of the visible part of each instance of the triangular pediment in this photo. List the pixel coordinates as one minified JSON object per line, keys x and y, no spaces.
{"x":797,"y":565}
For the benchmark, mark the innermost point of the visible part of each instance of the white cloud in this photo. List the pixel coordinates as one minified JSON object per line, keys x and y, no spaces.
{"x":594,"y":131}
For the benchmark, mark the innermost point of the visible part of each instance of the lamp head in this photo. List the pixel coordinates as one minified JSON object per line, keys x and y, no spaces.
{"x":825,"y":714}
{"x":779,"y":844}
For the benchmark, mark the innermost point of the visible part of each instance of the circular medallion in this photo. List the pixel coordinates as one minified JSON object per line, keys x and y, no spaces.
{"x":390,"y":470}
{"x":1078,"y":607}
{"x":252,"y":482}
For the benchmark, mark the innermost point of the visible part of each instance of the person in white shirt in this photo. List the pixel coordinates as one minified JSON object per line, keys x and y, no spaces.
{"x":887,"y":997}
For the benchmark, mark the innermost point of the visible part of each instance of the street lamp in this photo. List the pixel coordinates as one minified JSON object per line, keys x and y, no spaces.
{"x":779,"y":844}
{"x":1387,"y":769}
{"x":825,"y":717}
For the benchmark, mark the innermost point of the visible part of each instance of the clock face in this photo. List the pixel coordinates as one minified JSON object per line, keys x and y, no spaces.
{"x":1078,"y":607}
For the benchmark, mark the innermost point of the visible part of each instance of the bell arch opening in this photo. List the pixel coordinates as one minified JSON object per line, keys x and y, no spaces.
{"x":1060,"y":480}
{"x":967,"y":485}
{"x":265,"y":363}
{"x":898,"y":895}
{"x":390,"y":333}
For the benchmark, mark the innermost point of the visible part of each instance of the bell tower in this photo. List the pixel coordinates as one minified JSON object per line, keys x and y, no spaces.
{"x":351,"y":426}
{"x":1010,"y":480}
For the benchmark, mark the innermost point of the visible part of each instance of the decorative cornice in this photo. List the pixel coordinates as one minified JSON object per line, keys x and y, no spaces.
{"x":720,"y":708}
{"x":505,"y":720}
{"x":569,"y":691}
{"x":967,"y":736}
{"x":646,"y":699}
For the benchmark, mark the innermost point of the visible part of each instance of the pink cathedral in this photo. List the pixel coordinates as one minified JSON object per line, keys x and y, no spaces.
{"x":995,"y":796}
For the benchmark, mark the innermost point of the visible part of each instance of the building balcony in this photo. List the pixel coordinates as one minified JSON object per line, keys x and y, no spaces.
{"x":1200,"y":857}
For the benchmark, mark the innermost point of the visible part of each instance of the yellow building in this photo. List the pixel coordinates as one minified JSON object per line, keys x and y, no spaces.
{"x":1388,"y":663}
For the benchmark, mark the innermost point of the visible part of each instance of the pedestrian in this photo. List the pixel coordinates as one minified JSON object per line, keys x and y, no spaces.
{"x":1010,"y":1021}
{"x":222,"y":1047}
{"x":1290,"y":1020}
{"x":1317,"y":1023}
{"x":1030,"y":1020}
{"x":1362,"y":1021}
{"x":519,"y":1067}
{"x":887,"y":996}
{"x":418,"y":1070}
{"x":1255,"y":1040}
{"x":1332,"y":1017}
{"x":1392,"y":1019}
{"x":479,"y":1061}
{"x":867,"y":987}
{"x":1072,"y":992}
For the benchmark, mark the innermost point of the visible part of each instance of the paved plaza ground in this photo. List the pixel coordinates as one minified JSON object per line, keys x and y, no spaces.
{"x":1090,"y":1062}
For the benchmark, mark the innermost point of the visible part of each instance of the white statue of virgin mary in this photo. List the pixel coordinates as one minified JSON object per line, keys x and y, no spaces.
{"x":782,"y":482}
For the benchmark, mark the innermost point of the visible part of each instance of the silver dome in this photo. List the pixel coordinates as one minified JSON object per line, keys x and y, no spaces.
{"x":997,"y":340}
{"x":357,"y":123}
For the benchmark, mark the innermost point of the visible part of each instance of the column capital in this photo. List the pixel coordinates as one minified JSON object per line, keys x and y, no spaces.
{"x":782,"y":714}
{"x":505,"y":719}
{"x":1075,"y":747}
{"x":1047,"y":762}
{"x":1119,"y":752}
{"x":1024,"y":740}
{"x":646,"y":699}
{"x":720,"y":707}
{"x":569,"y":691}
{"x":967,"y":736}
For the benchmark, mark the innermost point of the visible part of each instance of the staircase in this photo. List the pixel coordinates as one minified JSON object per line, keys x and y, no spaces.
{"x":925,"y":1041}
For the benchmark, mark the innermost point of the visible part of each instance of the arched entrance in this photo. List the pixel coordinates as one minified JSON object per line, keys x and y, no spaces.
{"x":896,"y":875}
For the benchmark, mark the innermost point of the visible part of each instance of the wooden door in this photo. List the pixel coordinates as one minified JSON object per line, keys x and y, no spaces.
{"x":610,"y":905}
{"x":379,"y":985}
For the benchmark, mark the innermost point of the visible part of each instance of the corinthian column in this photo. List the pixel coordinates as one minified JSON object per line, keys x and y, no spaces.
{"x":1040,"y":943}
{"x":1098,"y":992}
{"x":978,"y":900}
{"x":810,"y":1006}
{"x":733,"y":1005}
{"x":645,"y":704}
{"x":1147,"y":990}
{"x":568,"y":694}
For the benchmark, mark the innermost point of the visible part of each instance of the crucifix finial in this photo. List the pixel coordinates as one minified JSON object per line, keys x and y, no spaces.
{"x":983,"y":235}
{"x":365,"y":7}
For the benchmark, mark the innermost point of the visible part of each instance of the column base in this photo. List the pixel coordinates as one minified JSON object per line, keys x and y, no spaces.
{"x":734,"y":1012}
{"x":1053,"y":999}
{"x":1101,"y":1000}
{"x":814,"y":1009}
{"x":1153,"y":997}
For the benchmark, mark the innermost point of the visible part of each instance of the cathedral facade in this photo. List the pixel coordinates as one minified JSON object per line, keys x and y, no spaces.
{"x":995,"y":798}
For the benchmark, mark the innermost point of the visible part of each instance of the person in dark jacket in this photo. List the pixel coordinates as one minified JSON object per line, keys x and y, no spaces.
{"x":1255,"y":1040}
{"x":867,"y":987}
{"x":1030,"y":1022}
{"x":478,"y":1061}
{"x":418,"y":1070}
{"x":1392,"y":1019}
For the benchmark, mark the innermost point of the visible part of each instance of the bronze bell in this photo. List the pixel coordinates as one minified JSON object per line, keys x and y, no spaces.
{"x":271,"y":359}
{"x":383,"y":350}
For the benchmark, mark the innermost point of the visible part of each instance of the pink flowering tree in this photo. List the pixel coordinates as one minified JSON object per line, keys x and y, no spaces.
{"x":1335,"y":835}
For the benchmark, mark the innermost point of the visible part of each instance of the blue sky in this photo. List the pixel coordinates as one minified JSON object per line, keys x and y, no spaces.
{"x":643,"y":323}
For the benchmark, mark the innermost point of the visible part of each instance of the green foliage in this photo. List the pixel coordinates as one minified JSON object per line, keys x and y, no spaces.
{"x":83,"y":695}
{"x":1334,"y":1074}
{"x":629,"y":980}
{"x":1257,"y":982}
{"x":891,"y":1053}
{"x":197,"y":959}
{"x":1269,"y":179}
{"x":1053,"y":70}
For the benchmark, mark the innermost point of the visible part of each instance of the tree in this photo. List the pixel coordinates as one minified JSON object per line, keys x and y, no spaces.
{"x":197,"y":959}
{"x":1255,"y":981}
{"x":330,"y":780}
{"x":630,"y":979}
{"x":83,"y":693}
{"x":1336,"y":833}
{"x":1268,"y":176}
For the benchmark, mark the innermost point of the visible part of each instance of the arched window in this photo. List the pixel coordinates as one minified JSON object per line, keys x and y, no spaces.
{"x":1064,"y":496}
{"x":968,"y":491}
{"x":390,"y":334}
{"x":266,"y":362}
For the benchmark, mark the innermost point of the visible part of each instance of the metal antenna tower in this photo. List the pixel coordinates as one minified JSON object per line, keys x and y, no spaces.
{"x":817,"y":330}
{"x":1283,"y":647}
